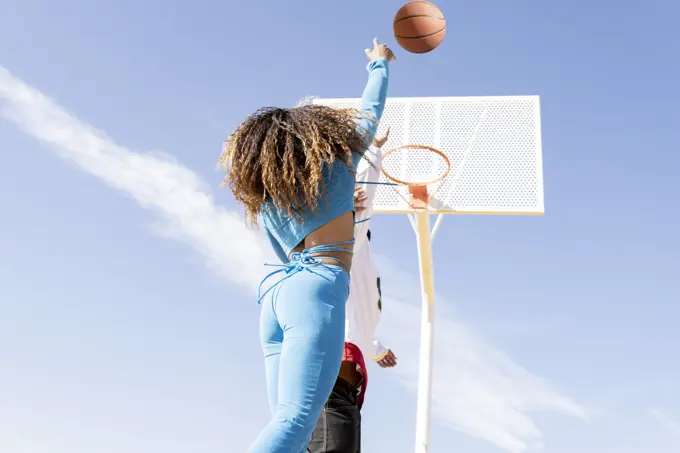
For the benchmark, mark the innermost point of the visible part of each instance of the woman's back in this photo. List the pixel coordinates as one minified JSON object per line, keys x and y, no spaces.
{"x":331,"y":222}
{"x":296,"y":167}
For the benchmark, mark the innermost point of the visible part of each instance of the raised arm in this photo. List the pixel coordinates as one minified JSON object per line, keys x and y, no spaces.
{"x":374,"y":97}
{"x":375,"y":93}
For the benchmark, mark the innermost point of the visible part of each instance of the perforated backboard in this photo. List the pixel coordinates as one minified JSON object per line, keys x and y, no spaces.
{"x":493,"y":143}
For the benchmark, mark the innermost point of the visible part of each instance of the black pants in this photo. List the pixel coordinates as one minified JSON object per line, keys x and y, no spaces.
{"x":339,"y":427}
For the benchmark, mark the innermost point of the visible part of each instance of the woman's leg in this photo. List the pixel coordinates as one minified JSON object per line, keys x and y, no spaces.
{"x":271,"y":338}
{"x":310,"y":310}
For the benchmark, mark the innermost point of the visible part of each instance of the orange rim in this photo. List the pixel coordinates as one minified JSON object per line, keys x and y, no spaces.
{"x":428,"y":148}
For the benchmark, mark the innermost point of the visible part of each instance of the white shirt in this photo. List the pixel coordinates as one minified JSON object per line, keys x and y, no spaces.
{"x":362,"y":309}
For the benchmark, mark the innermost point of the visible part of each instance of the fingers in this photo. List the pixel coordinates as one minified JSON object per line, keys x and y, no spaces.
{"x":359,"y":199}
{"x":380,"y":141}
{"x":387,"y":363}
{"x":390,"y":360}
{"x":380,"y":50}
{"x":383,"y":48}
{"x":376,"y":45}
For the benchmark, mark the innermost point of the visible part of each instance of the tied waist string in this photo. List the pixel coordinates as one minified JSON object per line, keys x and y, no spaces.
{"x":305,"y":260}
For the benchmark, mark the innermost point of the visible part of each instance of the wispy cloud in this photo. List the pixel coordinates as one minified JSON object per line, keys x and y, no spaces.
{"x":478,"y":390}
{"x":183,"y":202}
{"x":665,"y":421}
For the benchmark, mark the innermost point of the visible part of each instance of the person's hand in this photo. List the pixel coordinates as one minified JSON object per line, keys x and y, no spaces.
{"x":389,"y":361}
{"x":380,"y":141}
{"x":380,"y":51}
{"x":359,"y":199}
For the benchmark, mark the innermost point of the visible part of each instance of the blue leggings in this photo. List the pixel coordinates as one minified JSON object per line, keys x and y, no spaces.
{"x":302,"y":331}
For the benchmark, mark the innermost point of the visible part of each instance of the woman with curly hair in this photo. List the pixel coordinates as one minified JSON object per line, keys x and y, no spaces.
{"x":294,"y":171}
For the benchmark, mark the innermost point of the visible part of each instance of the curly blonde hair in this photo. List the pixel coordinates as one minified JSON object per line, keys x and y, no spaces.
{"x":277,"y":154}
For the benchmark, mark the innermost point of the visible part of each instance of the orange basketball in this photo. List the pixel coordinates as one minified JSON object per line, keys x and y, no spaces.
{"x":419,"y":26}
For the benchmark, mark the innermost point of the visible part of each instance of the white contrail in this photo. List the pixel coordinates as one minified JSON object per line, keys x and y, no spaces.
{"x":176,"y":193}
{"x":478,"y":390}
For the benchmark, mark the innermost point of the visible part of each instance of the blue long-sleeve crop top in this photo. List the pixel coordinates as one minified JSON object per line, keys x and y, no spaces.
{"x":284,"y":232}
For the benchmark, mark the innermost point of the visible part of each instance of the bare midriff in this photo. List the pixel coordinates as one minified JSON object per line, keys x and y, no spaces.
{"x":337,"y":230}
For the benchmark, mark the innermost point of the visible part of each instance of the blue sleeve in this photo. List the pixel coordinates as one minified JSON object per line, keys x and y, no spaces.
{"x":374,"y":97}
{"x":276,"y":246}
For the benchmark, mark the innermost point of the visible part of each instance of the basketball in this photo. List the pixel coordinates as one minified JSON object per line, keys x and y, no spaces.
{"x":419,"y":26}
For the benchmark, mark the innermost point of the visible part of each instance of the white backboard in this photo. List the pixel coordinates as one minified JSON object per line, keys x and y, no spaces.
{"x":493,"y":143}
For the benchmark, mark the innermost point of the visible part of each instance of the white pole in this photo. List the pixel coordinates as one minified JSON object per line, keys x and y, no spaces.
{"x":426,"y":332}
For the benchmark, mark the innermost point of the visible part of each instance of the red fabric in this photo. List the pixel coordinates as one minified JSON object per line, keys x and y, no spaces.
{"x":353,"y":354}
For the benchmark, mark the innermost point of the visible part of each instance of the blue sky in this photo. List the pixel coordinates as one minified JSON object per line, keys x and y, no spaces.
{"x":128,"y":321}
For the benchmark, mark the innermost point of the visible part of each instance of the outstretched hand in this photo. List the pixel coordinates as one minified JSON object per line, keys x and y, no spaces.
{"x":389,"y":361}
{"x":380,"y":141}
{"x":380,"y":51}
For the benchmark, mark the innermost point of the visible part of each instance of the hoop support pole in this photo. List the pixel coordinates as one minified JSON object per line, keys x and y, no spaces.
{"x":426,"y":331}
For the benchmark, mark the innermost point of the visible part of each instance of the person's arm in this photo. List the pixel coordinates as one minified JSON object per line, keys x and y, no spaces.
{"x":375,"y":93}
{"x":374,"y":97}
{"x":368,"y":173}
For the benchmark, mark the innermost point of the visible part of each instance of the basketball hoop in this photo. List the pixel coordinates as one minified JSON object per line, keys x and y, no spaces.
{"x":495,"y":144}
{"x":417,"y":189}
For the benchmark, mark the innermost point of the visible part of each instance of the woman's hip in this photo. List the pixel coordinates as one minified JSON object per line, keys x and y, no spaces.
{"x":323,"y":284}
